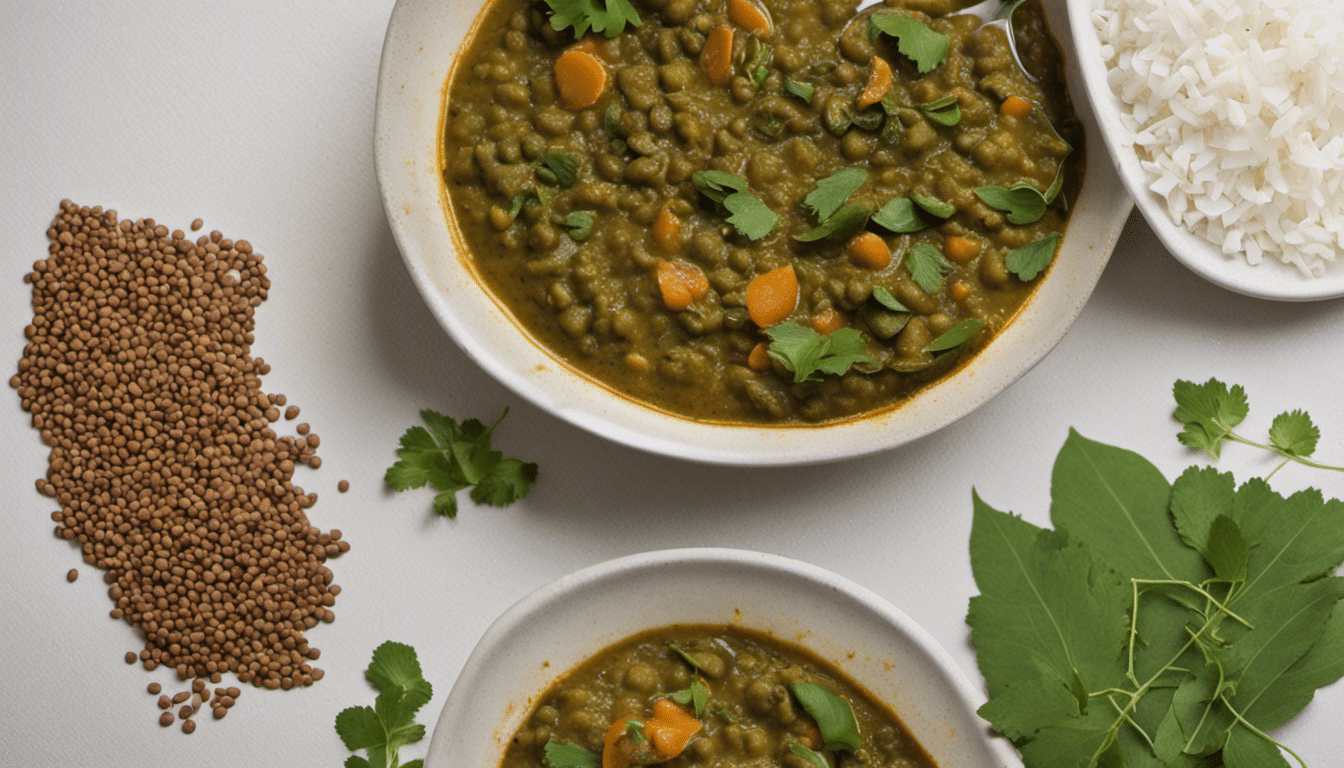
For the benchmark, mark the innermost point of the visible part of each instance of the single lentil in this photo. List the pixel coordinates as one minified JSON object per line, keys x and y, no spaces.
{"x":343,"y":486}
{"x":72,"y":574}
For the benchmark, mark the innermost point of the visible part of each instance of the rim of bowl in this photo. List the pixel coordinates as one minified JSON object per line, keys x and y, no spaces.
{"x":1272,"y":279}
{"x":460,"y":722}
{"x":420,"y":46}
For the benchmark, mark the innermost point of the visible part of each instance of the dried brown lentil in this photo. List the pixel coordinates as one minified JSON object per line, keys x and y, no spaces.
{"x":188,"y":726}
{"x":138,"y":375}
{"x":166,"y":719}
{"x":343,"y":486}
{"x":154,"y":688}
{"x":72,"y":574}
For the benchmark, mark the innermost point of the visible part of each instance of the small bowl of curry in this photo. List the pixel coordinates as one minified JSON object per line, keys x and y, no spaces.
{"x":710,"y":657}
{"x":745,"y":231}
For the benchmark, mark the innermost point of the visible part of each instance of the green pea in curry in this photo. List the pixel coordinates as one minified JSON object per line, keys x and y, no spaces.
{"x":785,"y":211}
{"x":709,"y":697}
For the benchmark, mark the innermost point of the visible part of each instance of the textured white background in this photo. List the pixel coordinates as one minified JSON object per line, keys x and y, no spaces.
{"x":257,"y":117}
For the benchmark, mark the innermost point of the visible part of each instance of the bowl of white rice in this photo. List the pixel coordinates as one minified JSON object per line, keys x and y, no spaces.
{"x":1226,"y":121}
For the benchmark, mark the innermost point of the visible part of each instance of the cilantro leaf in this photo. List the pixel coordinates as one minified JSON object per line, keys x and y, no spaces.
{"x":389,"y":724}
{"x":1209,"y":412}
{"x":450,"y":457}
{"x":799,"y":89}
{"x":717,"y":185}
{"x":884,"y":297}
{"x":832,"y":191}
{"x":945,"y":110}
{"x":696,"y":694}
{"x":606,"y":16}
{"x":959,"y":334}
{"x":841,"y":225}
{"x":810,"y":354}
{"x":579,"y":224}
{"x":926,"y":48}
{"x":749,"y":215}
{"x":834,"y":716}
{"x":811,"y":757}
{"x":1294,"y":434}
{"x":1024,"y":203}
{"x":928,"y":267}
{"x":899,"y":215}
{"x":558,"y":169}
{"x":1031,"y":259}
{"x":569,"y":756}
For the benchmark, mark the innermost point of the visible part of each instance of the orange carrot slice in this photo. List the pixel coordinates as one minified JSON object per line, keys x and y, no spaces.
{"x":717,"y":56}
{"x":879,"y":82}
{"x":960,"y":249}
{"x":759,"y":358}
{"x":612,"y":754}
{"x":869,"y":251}
{"x":580,"y":78}
{"x":771,"y":297}
{"x":959,"y":291}
{"x":750,"y":17}
{"x":680,"y":284}
{"x":1015,"y":106}
{"x":666,"y":229}
{"x":670,"y":729}
{"x":827,"y":322}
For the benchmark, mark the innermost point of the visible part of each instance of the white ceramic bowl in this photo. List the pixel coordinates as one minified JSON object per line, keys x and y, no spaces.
{"x":1271,"y":279}
{"x":565,"y":622}
{"x":422,"y":39}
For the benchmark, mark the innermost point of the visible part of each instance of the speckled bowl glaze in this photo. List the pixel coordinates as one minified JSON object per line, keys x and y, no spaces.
{"x":563,"y":623}
{"x":422,"y":39}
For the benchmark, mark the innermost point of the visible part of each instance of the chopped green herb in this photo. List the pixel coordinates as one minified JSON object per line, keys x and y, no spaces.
{"x":1028,"y":261}
{"x":933,"y":205}
{"x":928,"y":267}
{"x":885,"y":298}
{"x":558,"y":169}
{"x":717,"y":185}
{"x":812,"y":757}
{"x":606,"y":16}
{"x":450,"y":457}
{"x":943,"y":111}
{"x":923,"y":46}
{"x":834,"y":716}
{"x":841,"y":225}
{"x":899,"y":216}
{"x":521,"y":199}
{"x":832,"y":191}
{"x":868,"y":119}
{"x":810,"y":354}
{"x":1024,"y":203}
{"x":1210,"y":411}
{"x":1185,"y":620}
{"x":959,"y":334}
{"x":801,"y":90}
{"x":381,"y":730}
{"x":579,"y":224}
{"x":569,"y":756}
{"x":697,"y":695}
{"x":685,"y":656}
{"x":746,"y":212}
{"x":634,"y":730}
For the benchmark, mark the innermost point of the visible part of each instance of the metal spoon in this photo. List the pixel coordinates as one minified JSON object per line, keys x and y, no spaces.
{"x":992,"y":13}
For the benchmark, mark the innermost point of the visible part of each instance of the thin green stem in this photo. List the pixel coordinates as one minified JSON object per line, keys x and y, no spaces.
{"x":1201,"y":591}
{"x":1287,"y":456}
{"x":1247,"y":725}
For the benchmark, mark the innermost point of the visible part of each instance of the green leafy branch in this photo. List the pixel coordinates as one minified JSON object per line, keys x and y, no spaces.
{"x":1211,"y":411}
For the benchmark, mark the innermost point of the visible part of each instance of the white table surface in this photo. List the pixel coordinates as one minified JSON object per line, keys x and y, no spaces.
{"x":258,"y":117}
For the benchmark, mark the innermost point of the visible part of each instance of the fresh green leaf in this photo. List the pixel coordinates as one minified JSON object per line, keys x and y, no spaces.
{"x":841,"y":225}
{"x":1226,"y":549}
{"x":1031,"y":259}
{"x":569,"y":756}
{"x":926,"y":48}
{"x":1294,"y":434}
{"x":521,"y":199}
{"x":1198,"y":497}
{"x":959,"y":334}
{"x":1024,"y":203}
{"x":884,"y":297}
{"x":945,"y":110}
{"x":811,"y":757}
{"x":809,"y":354}
{"x":834,"y":716}
{"x":696,"y":694}
{"x":450,"y":457}
{"x":832,"y":191}
{"x":898,"y":215}
{"x":1209,"y":412}
{"x":928,"y":267}
{"x":718,"y":185}
{"x":579,"y":224}
{"x":749,"y":215}
{"x":606,"y":16}
{"x":558,"y":169}
{"x":634,"y":731}
{"x":933,"y":206}
{"x":381,"y":730}
{"x":685,"y":656}
{"x":799,"y":89}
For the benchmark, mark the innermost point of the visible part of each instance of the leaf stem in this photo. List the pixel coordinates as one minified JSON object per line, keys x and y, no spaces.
{"x":1287,"y":456}
{"x":1247,"y":725}
{"x":1201,"y":591}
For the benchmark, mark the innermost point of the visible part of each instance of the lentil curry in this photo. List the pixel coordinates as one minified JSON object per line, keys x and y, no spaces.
{"x":783,"y":212}
{"x":709,"y":696}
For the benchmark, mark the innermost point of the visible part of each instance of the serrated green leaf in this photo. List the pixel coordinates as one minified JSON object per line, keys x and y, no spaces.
{"x":833,"y":714}
{"x":1226,"y":549}
{"x":841,"y":225}
{"x":609,"y":17}
{"x":1077,"y":742}
{"x":928,"y":267}
{"x":899,"y":216}
{"x":959,"y":334}
{"x":809,"y":354}
{"x":831,"y":192}
{"x":1285,"y":696}
{"x":717,"y":185}
{"x":1031,"y":259}
{"x":445,"y":501}
{"x":508,"y":481}
{"x":749,"y":215}
{"x":360,"y":728}
{"x":1294,"y":434}
{"x":1023,"y":707}
{"x":1199,"y":496}
{"x":1209,"y":411}
{"x":926,"y":48}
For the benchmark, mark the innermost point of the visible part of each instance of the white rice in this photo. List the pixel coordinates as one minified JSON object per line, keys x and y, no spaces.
{"x":1237,"y":112}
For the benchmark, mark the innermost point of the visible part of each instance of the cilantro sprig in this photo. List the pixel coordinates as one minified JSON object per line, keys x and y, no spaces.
{"x":809,"y":354}
{"x":746,"y":213}
{"x":1211,"y":410}
{"x":926,"y":48}
{"x":606,"y":16}
{"x":381,"y":730}
{"x":450,"y":457}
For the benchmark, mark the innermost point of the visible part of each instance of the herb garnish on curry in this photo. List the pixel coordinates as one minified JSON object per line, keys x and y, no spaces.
{"x":782,"y":212}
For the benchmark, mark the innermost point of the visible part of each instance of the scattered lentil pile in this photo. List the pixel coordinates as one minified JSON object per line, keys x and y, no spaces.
{"x":139,"y":376}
